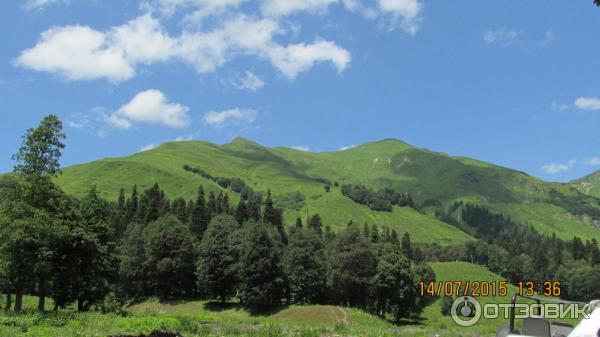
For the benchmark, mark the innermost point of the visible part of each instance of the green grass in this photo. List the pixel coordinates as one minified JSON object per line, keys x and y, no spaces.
{"x":589,"y":184}
{"x":202,"y":318}
{"x":388,"y":163}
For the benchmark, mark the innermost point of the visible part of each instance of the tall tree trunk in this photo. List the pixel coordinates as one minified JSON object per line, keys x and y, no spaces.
{"x":18,"y":300}
{"x":8,"y":301}
{"x":42,"y":294}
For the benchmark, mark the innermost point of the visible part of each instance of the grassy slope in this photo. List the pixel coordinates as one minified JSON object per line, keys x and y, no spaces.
{"x":260,"y":168}
{"x":388,"y":163}
{"x":462,"y":271}
{"x":589,"y":184}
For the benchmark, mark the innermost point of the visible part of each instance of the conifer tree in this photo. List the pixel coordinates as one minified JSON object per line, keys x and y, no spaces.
{"x":211,"y":205}
{"x":261,"y":276}
{"x":315,"y":224}
{"x":241,"y":212}
{"x":199,"y":217}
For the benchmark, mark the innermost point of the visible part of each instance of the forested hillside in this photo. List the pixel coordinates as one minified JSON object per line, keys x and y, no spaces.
{"x":265,"y":228}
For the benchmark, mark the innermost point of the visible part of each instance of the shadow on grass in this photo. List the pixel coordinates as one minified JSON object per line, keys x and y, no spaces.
{"x":407,"y":321}
{"x":217,"y":306}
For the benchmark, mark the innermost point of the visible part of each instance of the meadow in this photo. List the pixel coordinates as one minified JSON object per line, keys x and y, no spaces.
{"x":206,"y":318}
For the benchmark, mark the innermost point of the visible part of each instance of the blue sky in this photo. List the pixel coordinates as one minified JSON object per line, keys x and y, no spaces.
{"x":511,"y":82}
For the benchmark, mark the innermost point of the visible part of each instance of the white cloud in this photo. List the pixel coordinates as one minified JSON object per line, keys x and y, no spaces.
{"x":82,"y":53}
{"x":76,"y":53}
{"x":554,"y":168}
{"x":592,"y":161}
{"x":287,"y":7}
{"x":588,"y":103}
{"x":148,"y":147}
{"x":232,"y":116}
{"x":502,"y":36}
{"x":405,"y":13}
{"x":249,"y":81}
{"x":150,"y":106}
{"x":41,"y":4}
{"x":301,"y":148}
{"x":346,"y":147}
{"x":297,"y":58}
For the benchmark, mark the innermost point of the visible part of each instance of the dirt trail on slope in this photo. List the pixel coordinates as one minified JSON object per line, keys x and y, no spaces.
{"x":342,"y":317}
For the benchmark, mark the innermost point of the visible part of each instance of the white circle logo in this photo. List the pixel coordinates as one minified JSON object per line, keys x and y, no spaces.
{"x":466,"y":311}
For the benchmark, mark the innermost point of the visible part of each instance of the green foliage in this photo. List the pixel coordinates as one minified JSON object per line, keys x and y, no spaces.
{"x":377,"y":200}
{"x":582,"y":283}
{"x":261,"y":273}
{"x":217,"y":259}
{"x":40,"y":151}
{"x":351,"y":265}
{"x":393,"y":283}
{"x":290,"y":201}
{"x":170,"y":257}
{"x":304,"y":264}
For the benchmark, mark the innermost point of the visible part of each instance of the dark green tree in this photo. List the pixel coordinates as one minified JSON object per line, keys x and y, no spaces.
{"x":170,"y":257}
{"x":304,"y":262}
{"x":393,"y":283}
{"x":241,"y":212}
{"x":217,"y":258}
{"x":315,"y":224}
{"x":200,"y":215}
{"x":352,"y":264}
{"x":406,"y":246}
{"x":261,"y":276}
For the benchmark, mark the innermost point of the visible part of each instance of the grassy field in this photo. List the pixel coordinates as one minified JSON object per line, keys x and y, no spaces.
{"x":589,"y":184}
{"x":202,"y":318}
{"x":388,"y":163}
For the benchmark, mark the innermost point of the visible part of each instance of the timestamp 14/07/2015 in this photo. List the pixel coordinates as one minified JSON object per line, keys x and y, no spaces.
{"x":476,"y":288}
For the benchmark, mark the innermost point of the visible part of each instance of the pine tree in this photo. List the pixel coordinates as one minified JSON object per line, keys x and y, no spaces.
{"x":211,"y":205}
{"x":133,"y":205}
{"x":315,"y":224}
{"x":406,"y":246}
{"x":253,"y":210}
{"x":180,"y":209}
{"x":241,"y":212}
{"x":261,"y":276}
{"x":198,"y":219}
{"x":269,"y":211}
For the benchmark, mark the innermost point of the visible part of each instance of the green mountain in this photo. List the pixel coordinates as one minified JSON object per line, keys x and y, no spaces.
{"x":435,"y":180}
{"x":589,"y":184}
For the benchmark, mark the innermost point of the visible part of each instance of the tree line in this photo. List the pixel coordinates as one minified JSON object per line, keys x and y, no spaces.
{"x":520,"y":253}
{"x":87,"y":251}
{"x":378,"y":200}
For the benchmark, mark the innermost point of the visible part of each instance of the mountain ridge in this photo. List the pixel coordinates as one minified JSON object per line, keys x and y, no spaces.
{"x":435,"y":179}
